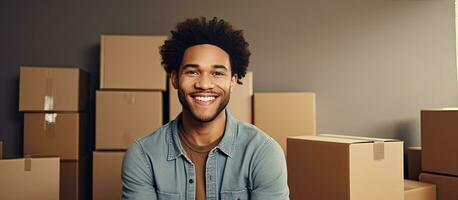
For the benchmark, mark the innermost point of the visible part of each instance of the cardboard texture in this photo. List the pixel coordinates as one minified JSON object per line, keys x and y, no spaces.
{"x":74,"y":179}
{"x":106,"y":170}
{"x":122,"y":117}
{"x":56,"y":134}
{"x":439,"y":130}
{"x":131,"y":62}
{"x":240,"y":105}
{"x":414,"y":190}
{"x":414,"y":162}
{"x":285,"y":114}
{"x":345,"y":168}
{"x":53,"y":89}
{"x":29,"y":178}
{"x":446,"y":186}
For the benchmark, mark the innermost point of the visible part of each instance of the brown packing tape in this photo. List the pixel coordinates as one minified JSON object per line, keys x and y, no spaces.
{"x":129,"y":97}
{"x":28,"y":163}
{"x":379,"y":150}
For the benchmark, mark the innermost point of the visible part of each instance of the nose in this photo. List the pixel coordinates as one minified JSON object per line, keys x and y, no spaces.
{"x":205,"y":82}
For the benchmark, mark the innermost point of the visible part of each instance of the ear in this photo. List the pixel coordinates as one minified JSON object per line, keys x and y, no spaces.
{"x":174,"y":79}
{"x":233,"y":82}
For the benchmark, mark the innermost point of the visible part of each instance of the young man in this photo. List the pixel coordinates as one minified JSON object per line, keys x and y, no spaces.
{"x":205,"y":153}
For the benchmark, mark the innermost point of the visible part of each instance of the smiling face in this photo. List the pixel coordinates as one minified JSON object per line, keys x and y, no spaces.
{"x":204,"y":82}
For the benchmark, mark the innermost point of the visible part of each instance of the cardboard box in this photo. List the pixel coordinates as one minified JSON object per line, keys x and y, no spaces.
{"x":446,"y":186}
{"x":285,"y":114}
{"x":122,"y":117}
{"x":29,"y":178}
{"x":345,"y":168}
{"x":439,"y":130}
{"x":414,"y":162}
{"x":131,"y":62}
{"x":414,"y":190}
{"x":240,"y":105}
{"x":56,"y":134}
{"x":74,"y":182}
{"x":52,"y":89}
{"x":106,"y":169}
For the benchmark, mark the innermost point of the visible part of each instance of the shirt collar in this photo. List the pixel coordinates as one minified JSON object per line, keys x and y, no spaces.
{"x":226,"y":145}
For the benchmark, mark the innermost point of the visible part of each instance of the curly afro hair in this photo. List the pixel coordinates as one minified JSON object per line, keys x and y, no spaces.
{"x":198,"y":31}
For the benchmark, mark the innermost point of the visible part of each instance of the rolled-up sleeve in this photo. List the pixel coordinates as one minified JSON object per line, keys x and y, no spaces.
{"x":137,"y":175}
{"x":270,"y":174}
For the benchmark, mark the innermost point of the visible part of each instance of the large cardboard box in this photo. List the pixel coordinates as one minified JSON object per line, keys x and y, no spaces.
{"x":131,"y":62}
{"x":74,"y":182}
{"x":122,"y":117}
{"x":414,"y":190}
{"x":106,"y":175}
{"x":439,"y":133}
{"x":414,"y":162}
{"x":29,"y":178}
{"x":345,"y":168}
{"x":52,"y":89}
{"x":240,"y":105}
{"x":285,"y":114}
{"x":446,"y":186}
{"x":56,"y":134}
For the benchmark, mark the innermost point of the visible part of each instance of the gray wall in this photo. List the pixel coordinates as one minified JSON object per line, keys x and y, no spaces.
{"x":372,"y":63}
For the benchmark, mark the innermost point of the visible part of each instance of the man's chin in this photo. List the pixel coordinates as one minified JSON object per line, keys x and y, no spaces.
{"x":205,"y":118}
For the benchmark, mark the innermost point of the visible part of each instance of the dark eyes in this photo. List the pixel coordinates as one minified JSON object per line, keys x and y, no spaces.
{"x":191,"y":72}
{"x":216,"y":73}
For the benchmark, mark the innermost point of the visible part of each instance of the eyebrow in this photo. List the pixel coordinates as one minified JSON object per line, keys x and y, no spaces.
{"x":197,"y":66}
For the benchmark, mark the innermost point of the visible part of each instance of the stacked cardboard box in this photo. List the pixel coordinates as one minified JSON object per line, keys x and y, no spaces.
{"x":439,"y":152}
{"x":285,"y":114}
{"x":129,"y":104}
{"x":54,"y":100}
{"x":240,"y":104}
{"x":345,"y":168}
{"x":29,"y":178}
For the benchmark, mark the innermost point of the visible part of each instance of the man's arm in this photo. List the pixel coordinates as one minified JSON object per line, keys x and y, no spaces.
{"x":137,"y":177}
{"x":270,"y":174}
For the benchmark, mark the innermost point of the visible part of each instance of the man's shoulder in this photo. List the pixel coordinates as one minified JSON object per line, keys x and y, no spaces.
{"x":155,"y":141}
{"x":252,"y":138}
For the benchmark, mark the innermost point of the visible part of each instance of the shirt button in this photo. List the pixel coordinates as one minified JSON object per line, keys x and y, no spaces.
{"x":191,"y":181}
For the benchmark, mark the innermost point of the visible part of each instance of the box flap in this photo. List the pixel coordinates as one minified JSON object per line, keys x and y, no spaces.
{"x":441,"y":109}
{"x":359,"y":139}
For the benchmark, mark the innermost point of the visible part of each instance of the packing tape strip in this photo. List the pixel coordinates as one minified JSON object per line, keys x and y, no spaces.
{"x":50,"y":124}
{"x":379,"y":150}
{"x":28,"y":164}
{"x":130,"y":98}
{"x":49,"y":99}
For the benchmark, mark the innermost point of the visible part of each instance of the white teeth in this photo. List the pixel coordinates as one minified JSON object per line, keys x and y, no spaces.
{"x":205,"y":98}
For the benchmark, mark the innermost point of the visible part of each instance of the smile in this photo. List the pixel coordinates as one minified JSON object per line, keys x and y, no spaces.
{"x":204,"y":98}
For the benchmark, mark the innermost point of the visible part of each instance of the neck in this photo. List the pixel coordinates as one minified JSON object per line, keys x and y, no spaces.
{"x":203,"y":133}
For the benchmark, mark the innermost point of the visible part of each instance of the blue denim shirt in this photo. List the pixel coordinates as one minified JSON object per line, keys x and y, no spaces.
{"x":246,"y":164}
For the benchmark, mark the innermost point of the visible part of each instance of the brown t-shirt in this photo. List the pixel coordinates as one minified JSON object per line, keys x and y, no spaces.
{"x":198,"y":155}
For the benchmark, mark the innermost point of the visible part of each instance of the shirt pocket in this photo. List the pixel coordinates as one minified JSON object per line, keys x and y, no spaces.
{"x":235,"y":195}
{"x":168,"y":196}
